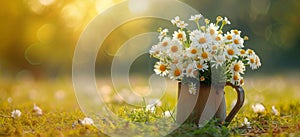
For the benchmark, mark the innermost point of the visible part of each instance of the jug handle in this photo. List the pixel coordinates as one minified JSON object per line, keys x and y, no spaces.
{"x":238,"y":105}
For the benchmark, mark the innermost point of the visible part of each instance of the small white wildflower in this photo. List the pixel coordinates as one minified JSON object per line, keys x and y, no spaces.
{"x":86,"y":121}
{"x":246,"y":123}
{"x":258,"y":108}
{"x":176,"y":20}
{"x":16,"y":113}
{"x":275,"y":111}
{"x":196,"y":18}
{"x":151,"y":108}
{"x":167,"y":114}
{"x":37,"y":110}
{"x":9,"y":100}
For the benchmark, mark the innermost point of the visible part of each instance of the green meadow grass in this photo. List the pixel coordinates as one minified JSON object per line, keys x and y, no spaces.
{"x":61,"y":111}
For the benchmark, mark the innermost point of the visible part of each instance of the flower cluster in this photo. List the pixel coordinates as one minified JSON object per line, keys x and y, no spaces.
{"x":193,"y":53}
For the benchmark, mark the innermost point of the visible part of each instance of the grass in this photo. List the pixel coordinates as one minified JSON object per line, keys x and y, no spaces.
{"x":61,"y":111}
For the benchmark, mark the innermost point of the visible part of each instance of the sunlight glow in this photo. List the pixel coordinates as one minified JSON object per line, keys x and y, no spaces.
{"x":138,"y":6}
{"x":102,"y":5}
{"x":47,"y":2}
{"x":72,"y":15}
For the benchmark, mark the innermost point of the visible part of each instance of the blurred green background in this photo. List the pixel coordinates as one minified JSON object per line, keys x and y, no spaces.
{"x":38,"y":37}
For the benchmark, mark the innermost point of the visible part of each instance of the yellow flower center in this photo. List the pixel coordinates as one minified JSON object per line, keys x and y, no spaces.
{"x":250,"y":51}
{"x":202,"y":78}
{"x":236,"y":67}
{"x":189,"y":71}
{"x":174,"y":49}
{"x":235,"y":77}
{"x":204,"y":55}
{"x":162,"y":68}
{"x":230,"y":51}
{"x":212,"y":32}
{"x":202,"y":40}
{"x":175,"y":61}
{"x":199,"y":66}
{"x":252,"y":61}
{"x":229,"y":37}
{"x":179,"y":36}
{"x":165,"y":44}
{"x":214,"y":47}
{"x":194,"y":51}
{"x":236,"y":32}
{"x":177,"y":72}
{"x":218,"y":38}
{"x":236,"y":41}
{"x":243,"y":51}
{"x":242,"y":82}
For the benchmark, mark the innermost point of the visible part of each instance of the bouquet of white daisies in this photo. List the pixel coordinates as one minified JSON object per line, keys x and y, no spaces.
{"x":194,"y":53}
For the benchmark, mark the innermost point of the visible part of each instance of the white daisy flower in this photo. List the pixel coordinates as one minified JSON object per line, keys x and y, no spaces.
{"x":163,"y":34}
{"x":201,"y":40}
{"x":86,"y":122}
{"x":228,"y":38}
{"x":236,"y":78}
{"x":231,"y":51}
{"x":200,"y":65}
{"x":258,"y":108}
{"x":165,"y":43}
{"x":243,"y":53}
{"x":176,"y":20}
{"x":179,"y":35}
{"x":275,"y":111}
{"x":218,"y":60}
{"x":250,"y":52}
{"x":155,"y":51}
{"x":235,"y":32}
{"x":238,"y":41}
{"x":213,"y":49}
{"x":196,"y":18}
{"x":182,"y":25}
{"x":212,"y":30}
{"x":37,"y":110}
{"x":254,"y":61}
{"x":237,"y":67}
{"x":226,"y":21}
{"x":175,"y":48}
{"x":194,"y":33}
{"x":204,"y":55}
{"x":161,"y":69}
{"x":167,"y":114}
{"x":16,"y":114}
{"x":246,"y":123}
{"x":191,"y":71}
{"x":176,"y":72}
{"x":193,"y":51}
{"x":218,"y":39}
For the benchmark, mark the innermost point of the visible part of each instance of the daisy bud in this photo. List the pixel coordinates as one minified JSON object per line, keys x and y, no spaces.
{"x":167,"y":114}
{"x":207,"y":21}
{"x":246,"y":123}
{"x":37,"y":110}
{"x":86,"y":122}
{"x":219,"y":18}
{"x":246,"y":38}
{"x":275,"y":111}
{"x":16,"y":114}
{"x":202,"y":28}
{"x":258,"y":108}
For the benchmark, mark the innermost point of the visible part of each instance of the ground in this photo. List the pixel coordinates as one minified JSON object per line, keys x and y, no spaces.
{"x":62,"y":114}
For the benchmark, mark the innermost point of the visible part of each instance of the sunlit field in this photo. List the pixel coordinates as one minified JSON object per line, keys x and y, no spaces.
{"x":61,"y":114}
